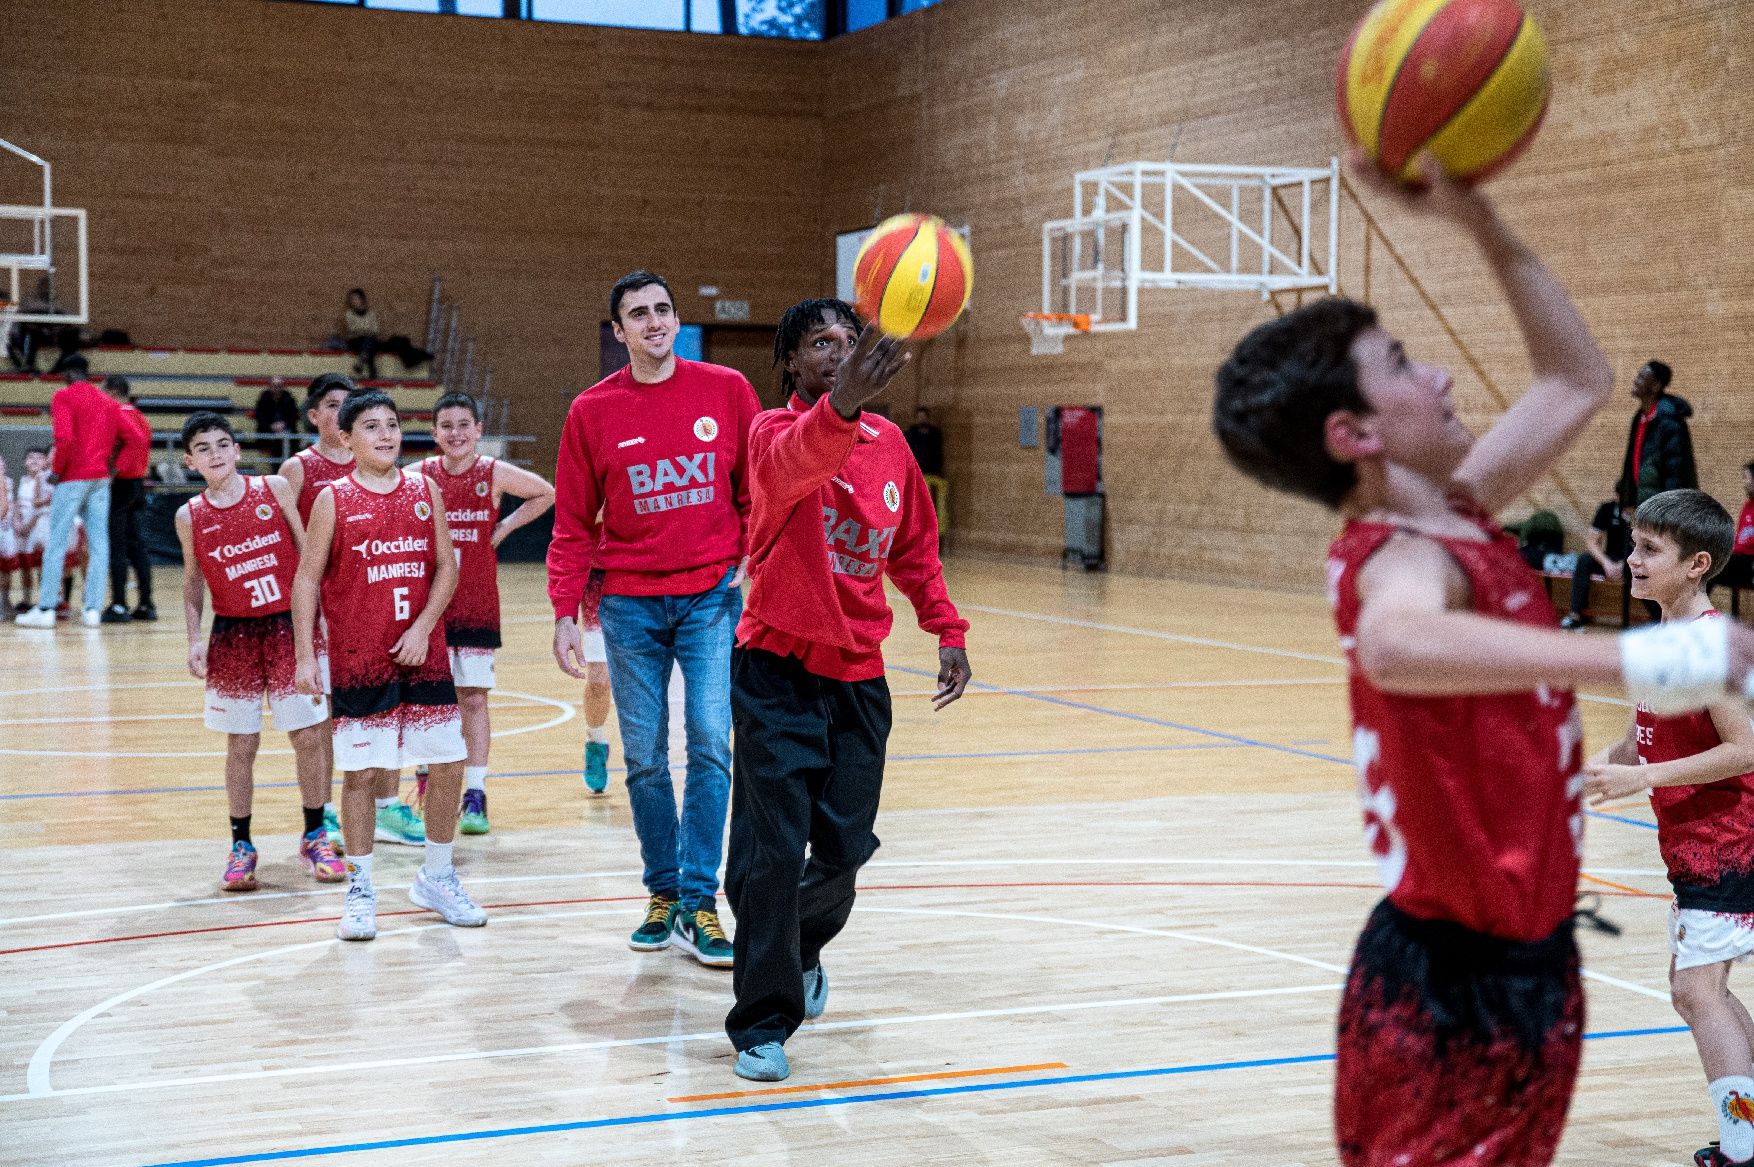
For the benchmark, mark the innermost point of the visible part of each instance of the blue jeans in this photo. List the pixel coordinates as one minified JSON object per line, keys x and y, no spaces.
{"x":87,"y":499}
{"x":644,"y":636}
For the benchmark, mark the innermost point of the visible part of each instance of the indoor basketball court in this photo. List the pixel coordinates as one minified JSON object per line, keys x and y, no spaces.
{"x":1121,"y":880}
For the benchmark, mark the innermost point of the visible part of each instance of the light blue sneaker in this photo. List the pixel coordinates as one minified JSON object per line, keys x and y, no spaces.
{"x":765,"y":1063}
{"x":596,"y":767}
{"x":400,"y":824}
{"x":815,"y":993}
{"x":332,"y":826}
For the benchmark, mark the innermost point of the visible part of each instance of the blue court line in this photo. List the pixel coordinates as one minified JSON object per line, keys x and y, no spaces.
{"x":1619,"y":818}
{"x":622,"y":769}
{"x":1213,"y":733}
{"x":802,"y":1104}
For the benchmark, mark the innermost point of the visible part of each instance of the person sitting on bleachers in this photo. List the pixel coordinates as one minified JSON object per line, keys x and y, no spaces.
{"x":360,"y":329}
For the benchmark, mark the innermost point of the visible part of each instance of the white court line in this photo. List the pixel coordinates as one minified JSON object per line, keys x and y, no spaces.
{"x":117,"y":719}
{"x":258,"y":897}
{"x":1627,"y":985}
{"x":1206,"y":642}
{"x":37,"y":1081}
{"x":191,"y":682}
{"x":1147,"y":686}
{"x":566,"y":714}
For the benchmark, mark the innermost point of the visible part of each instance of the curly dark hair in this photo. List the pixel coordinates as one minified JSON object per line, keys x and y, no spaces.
{"x":1278,"y":388}
{"x":799,"y":319}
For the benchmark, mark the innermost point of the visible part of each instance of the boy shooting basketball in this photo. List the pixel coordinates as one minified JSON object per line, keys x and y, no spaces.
{"x":1699,"y":770}
{"x":1460,"y":1028}
{"x":241,"y":540}
{"x":471,"y":486}
{"x":379,"y":563}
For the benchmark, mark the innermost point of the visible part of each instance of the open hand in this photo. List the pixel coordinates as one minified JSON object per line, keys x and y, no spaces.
{"x":867,"y":371}
{"x":1434,"y":192}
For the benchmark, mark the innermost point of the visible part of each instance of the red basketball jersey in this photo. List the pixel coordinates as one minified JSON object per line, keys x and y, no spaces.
{"x":1706,"y":832}
{"x":319,"y":472}
{"x":472,"y":510}
{"x":246,"y":551}
{"x":1472,"y":804}
{"x":381,"y":561}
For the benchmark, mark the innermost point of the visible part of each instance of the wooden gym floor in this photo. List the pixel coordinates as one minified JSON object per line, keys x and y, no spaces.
{"x":1117,"y":891}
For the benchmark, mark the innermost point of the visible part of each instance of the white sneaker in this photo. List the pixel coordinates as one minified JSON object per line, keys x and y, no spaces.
{"x":91,"y":618}
{"x":359,"y":919}
{"x":35,"y":618}
{"x":444,"y":894}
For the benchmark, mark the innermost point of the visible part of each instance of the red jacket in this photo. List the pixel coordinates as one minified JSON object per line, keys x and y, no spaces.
{"x":87,"y":421}
{"x":136,"y":448}
{"x":665,"y":463}
{"x":837,"y":505}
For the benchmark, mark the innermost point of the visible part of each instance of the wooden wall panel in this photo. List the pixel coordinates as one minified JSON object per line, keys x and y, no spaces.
{"x":244,"y":162}
{"x":1638,"y":192}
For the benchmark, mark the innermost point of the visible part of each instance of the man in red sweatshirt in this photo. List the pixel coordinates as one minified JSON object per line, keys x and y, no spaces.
{"x":839,"y":502}
{"x":86,"y":422}
{"x":127,"y":504}
{"x":659,"y":446}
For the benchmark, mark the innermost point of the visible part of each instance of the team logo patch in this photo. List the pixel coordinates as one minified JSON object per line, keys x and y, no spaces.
{"x":481,"y":489}
{"x":1738,"y":1105}
{"x":891,"y":496}
{"x":264,"y":511}
{"x":422,"y":511}
{"x":706,"y":429}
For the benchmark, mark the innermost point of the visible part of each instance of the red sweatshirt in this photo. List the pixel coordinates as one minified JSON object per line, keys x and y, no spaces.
{"x":837,"y":505}
{"x":665,"y":463}
{"x":87,"y":421}
{"x":136,"y":450}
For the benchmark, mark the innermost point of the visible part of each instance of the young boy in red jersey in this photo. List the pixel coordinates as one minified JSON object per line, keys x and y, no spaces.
{"x":241,"y":539}
{"x":839,"y":503}
{"x":379,"y":564}
{"x":30,"y":518}
{"x":1699,"y":770}
{"x":8,"y":541}
{"x":471,"y":487}
{"x":1462,"y":1019}
{"x":309,"y":471}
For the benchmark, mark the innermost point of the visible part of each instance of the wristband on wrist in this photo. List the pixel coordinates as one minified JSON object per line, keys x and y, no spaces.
{"x":1676,"y":668}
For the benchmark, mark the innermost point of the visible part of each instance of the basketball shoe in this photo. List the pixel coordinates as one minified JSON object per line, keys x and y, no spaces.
{"x":359,"y":918}
{"x":317,"y":855}
{"x":765,"y":1063}
{"x":815,"y":993}
{"x":240,"y":868}
{"x":1713,"y":1156}
{"x":698,"y":930}
{"x":655,"y":932}
{"x":474,"y":818}
{"x":400,"y":824}
{"x":444,"y":894}
{"x":332,"y":828}
{"x":596,"y":767}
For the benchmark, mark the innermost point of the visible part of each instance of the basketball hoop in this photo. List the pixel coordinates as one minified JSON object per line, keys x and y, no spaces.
{"x":1048,"y":330}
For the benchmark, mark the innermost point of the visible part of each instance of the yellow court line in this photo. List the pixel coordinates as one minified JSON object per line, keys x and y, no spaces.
{"x":941,"y":1075}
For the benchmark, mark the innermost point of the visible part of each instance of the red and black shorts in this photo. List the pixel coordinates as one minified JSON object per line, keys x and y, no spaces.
{"x":1455,"y":1048}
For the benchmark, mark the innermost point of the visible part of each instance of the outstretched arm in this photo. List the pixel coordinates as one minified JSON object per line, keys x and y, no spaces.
{"x":1572,"y":378}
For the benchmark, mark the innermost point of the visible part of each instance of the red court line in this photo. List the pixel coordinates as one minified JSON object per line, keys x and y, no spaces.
{"x":873,"y":887}
{"x":938,"y":1076}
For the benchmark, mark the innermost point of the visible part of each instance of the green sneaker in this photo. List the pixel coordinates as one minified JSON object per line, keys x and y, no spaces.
{"x":655,"y":932}
{"x":596,"y":767}
{"x":400,"y":824}
{"x":332,"y":828}
{"x":699,"y":931}
{"x":474,"y":817}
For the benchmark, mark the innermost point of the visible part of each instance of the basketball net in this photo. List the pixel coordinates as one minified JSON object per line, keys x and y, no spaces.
{"x":1048,"y":330}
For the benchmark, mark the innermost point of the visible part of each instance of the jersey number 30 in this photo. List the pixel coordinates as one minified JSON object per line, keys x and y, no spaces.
{"x":264,"y":589}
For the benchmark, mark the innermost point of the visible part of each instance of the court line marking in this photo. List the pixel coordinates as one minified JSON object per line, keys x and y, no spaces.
{"x":120,"y":792}
{"x":893,"y":1080}
{"x":566,"y":714}
{"x":258,"y":897}
{"x":37,"y":1073}
{"x":810,"y":1104}
{"x":1629,"y":986}
{"x":1205,"y":642}
{"x":665,"y":1039}
{"x":197,"y":715}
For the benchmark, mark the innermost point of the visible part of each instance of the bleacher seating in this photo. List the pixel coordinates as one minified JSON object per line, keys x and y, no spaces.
{"x":171,"y":384}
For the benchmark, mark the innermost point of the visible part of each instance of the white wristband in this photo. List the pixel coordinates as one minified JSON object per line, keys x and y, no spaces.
{"x":1677,"y":667}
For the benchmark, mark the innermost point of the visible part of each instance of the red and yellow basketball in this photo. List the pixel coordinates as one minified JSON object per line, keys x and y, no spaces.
{"x":913,"y":276}
{"x":1465,"y":79}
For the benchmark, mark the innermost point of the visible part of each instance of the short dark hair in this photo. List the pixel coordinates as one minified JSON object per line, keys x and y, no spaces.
{"x":1749,"y":467}
{"x":457,"y":400}
{"x":633,"y":281}
{"x":1694,"y":520}
{"x":204,"y":422}
{"x":797,"y":322}
{"x":358,"y":403}
{"x":1275,"y":393}
{"x":118,"y":384}
{"x":43,"y":450}
{"x":1661,"y":372}
{"x":76,"y":368}
{"x":324,"y":384}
